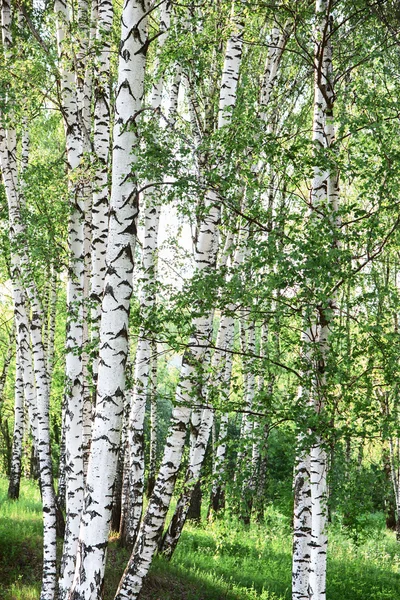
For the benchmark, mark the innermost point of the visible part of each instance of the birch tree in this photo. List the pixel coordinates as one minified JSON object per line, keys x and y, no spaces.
{"x":74,"y":386}
{"x":19,"y":418}
{"x":113,"y":354}
{"x":147,"y":305}
{"x":310,"y":536}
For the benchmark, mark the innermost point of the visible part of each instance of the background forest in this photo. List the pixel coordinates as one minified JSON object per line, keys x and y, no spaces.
{"x":199,"y":299}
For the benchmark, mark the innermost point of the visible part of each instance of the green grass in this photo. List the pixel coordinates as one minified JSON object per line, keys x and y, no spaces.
{"x":20,"y":543}
{"x":218,"y":561}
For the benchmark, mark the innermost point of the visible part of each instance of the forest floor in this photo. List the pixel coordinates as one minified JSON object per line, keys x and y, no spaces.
{"x":218,"y":561}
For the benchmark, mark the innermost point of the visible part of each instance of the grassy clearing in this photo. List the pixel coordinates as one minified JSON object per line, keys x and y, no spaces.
{"x":220,"y":561}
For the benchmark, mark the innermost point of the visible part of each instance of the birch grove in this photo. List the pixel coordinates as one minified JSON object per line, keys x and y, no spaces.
{"x":192,"y":309}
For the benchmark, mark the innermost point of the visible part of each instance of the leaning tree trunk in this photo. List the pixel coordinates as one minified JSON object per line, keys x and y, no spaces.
{"x":151,"y":478}
{"x":152,"y":207}
{"x":205,"y":256}
{"x":152,"y":385}
{"x":222,"y":367}
{"x":174,"y":531}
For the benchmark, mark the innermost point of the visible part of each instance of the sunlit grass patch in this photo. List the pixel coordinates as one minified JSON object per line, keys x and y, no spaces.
{"x":222,"y":560}
{"x":21,"y":591}
{"x":20,"y":543}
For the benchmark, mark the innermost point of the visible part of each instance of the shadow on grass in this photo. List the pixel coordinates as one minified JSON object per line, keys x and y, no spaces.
{"x":240,"y":570}
{"x":20,"y":568}
{"x":215,"y":562}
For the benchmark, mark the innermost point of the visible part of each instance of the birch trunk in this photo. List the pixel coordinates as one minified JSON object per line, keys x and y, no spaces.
{"x":86,"y":19}
{"x":301,"y":528}
{"x":261,"y":482}
{"x":113,"y":355}
{"x":217,"y":502}
{"x":151,"y":478}
{"x":200,"y":428}
{"x":173,"y":110}
{"x":36,"y":388}
{"x":125,"y":492}
{"x":325,"y":191}
{"x":117,"y":491}
{"x":245,"y":458}
{"x":19,"y":417}
{"x":153,"y":522}
{"x":147,"y":306}
{"x":101,"y":143}
{"x":74,"y":379}
{"x":62,"y":476}
{"x":222,"y":363}
{"x":52,"y":324}
{"x":192,"y":477}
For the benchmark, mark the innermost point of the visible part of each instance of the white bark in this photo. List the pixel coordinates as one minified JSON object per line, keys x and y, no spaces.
{"x":74,"y":383}
{"x":202,"y":422}
{"x":124,"y":449}
{"x":51,"y":332}
{"x":276,"y":46}
{"x":395,"y":476}
{"x":62,"y":475}
{"x":222,"y":369}
{"x":90,"y":563}
{"x":324,"y":191}
{"x":319,"y":511}
{"x":261,"y":438}
{"x":19,"y":417}
{"x":154,"y":519}
{"x":245,"y":454}
{"x":87,"y":20}
{"x":153,"y":420}
{"x":37,"y":396}
{"x":15,"y":475}
{"x":101,"y":143}
{"x":301,"y":527}
{"x":174,"y":531}
{"x":147,"y":305}
{"x":217,"y":492}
